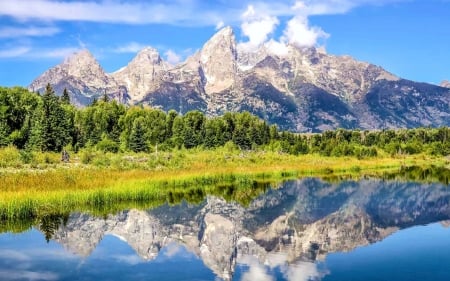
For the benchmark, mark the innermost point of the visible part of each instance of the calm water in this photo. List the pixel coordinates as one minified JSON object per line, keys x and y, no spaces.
{"x":303,"y":230}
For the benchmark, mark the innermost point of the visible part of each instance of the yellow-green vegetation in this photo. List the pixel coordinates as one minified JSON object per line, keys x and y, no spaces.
{"x":103,"y":182}
{"x":138,"y":156}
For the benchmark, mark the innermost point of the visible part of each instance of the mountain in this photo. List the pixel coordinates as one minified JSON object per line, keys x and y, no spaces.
{"x":301,"y":221}
{"x":445,"y":84}
{"x":143,"y":74}
{"x":82,"y":76}
{"x":299,"y":89}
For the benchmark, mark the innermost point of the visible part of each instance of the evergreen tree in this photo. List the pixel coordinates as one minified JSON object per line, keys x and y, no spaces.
{"x":273,"y":132}
{"x":137,"y":142}
{"x":35,"y":140}
{"x":55,"y":134}
{"x":65,"y":98}
{"x":193,"y":132}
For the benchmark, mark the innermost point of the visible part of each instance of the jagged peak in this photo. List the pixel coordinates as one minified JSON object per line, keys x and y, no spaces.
{"x":148,"y":51}
{"x":223,"y":41}
{"x":80,"y":55}
{"x":224,"y":35}
{"x":445,"y":84}
{"x":148,"y":55}
{"x":226,"y":31}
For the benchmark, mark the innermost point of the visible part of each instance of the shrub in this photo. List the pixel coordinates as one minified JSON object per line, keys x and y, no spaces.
{"x":26,"y":156}
{"x":9,"y":156}
{"x":230,"y":147}
{"x":46,"y":157}
{"x":102,"y":160}
{"x":87,"y":157}
{"x":108,"y":145}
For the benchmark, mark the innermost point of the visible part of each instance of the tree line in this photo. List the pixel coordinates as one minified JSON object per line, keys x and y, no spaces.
{"x":49,"y":122}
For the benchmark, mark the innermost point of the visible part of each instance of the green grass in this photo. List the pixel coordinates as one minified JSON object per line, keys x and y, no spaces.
{"x":34,"y":186}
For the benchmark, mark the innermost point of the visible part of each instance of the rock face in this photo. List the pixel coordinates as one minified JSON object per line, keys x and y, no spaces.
{"x":143,"y":74}
{"x":302,"y":221}
{"x":83,"y":77}
{"x":300,"y":89}
{"x":218,"y":61}
{"x":445,"y":84}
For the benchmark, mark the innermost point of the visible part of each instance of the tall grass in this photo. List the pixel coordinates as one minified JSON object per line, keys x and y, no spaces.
{"x":39,"y":184}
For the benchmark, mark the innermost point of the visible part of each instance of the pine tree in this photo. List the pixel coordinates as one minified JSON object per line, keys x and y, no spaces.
{"x":65,"y":98}
{"x":55,"y":134}
{"x":137,"y":141}
{"x":35,"y":139}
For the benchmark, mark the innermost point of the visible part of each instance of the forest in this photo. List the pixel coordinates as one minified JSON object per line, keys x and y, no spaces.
{"x":49,"y":122}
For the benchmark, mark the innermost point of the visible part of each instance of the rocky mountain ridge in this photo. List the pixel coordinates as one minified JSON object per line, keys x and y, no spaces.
{"x":300,"y":89}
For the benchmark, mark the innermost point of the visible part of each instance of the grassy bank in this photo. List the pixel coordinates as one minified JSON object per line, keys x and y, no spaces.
{"x":33,"y":185}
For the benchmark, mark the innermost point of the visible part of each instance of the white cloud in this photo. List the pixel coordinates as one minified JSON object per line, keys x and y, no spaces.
{"x":54,"y":53}
{"x":258,"y":20}
{"x":30,"y":53}
{"x":219,"y":25}
{"x":132,"y":47}
{"x":179,"y":12}
{"x":81,"y":43}
{"x":278,"y":48}
{"x":299,"y":33}
{"x":172,"y":57}
{"x":111,"y":11}
{"x":14,"y":52}
{"x":31,"y":31}
{"x":257,"y":27}
{"x":332,"y":7}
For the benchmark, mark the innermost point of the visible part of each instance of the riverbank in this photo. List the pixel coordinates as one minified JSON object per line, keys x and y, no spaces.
{"x":101,"y":181}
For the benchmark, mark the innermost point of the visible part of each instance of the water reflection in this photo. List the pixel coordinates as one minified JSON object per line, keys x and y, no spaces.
{"x":286,"y":234}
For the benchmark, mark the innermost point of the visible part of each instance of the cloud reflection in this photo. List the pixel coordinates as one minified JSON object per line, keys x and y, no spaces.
{"x":11,"y":275}
{"x":297,"y":271}
{"x":256,"y":270}
{"x":128,"y":259}
{"x":302,"y":271}
{"x":14,"y":255}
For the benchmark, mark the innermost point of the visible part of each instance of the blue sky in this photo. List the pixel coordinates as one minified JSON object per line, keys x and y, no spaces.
{"x":409,"y":38}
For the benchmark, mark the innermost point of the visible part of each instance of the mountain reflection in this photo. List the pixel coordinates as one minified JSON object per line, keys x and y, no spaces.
{"x":292,"y":227}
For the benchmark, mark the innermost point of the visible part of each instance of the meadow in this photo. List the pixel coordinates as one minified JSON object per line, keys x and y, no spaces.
{"x":35,"y":184}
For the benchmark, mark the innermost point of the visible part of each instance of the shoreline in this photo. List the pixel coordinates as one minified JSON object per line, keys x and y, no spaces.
{"x":59,"y":187}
